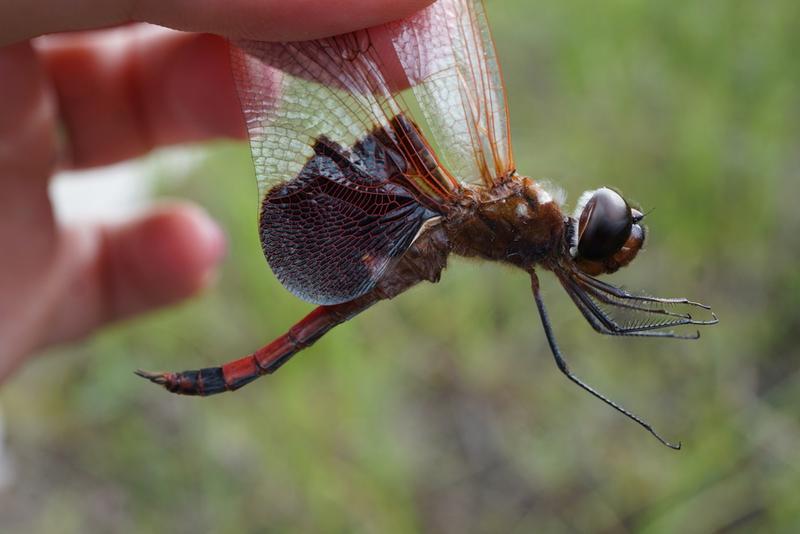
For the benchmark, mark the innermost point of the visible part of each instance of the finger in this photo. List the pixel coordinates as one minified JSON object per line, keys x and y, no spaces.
{"x":269,"y":20}
{"x":27,"y":156}
{"x":26,"y":116}
{"x":125,"y":91}
{"x":160,"y":258}
{"x":27,"y":230}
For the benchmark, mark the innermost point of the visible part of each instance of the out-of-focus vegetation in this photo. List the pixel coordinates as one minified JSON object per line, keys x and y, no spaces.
{"x":443,"y":411}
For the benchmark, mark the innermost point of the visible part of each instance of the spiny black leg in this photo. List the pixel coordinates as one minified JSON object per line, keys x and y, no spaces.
{"x":600,"y":326}
{"x":583,"y":300}
{"x":622,"y":294}
{"x":564,"y":368}
{"x":643,"y":328}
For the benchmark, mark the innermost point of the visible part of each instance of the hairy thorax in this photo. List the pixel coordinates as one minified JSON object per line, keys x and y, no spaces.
{"x":515,"y":222}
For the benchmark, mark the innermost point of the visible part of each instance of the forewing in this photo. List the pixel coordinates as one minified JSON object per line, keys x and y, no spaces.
{"x":293,"y":94}
{"x":448,"y":55}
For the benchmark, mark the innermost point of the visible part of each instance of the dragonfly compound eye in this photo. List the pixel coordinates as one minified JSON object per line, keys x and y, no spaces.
{"x":604,"y":225}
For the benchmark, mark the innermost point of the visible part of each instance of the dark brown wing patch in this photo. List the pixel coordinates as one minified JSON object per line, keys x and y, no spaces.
{"x":331,"y":233}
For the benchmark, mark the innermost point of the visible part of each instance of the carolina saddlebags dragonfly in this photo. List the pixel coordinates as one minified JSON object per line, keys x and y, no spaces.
{"x":361,"y":200}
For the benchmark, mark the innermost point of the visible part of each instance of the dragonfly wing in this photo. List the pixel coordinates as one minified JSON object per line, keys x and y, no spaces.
{"x":345,"y":176}
{"x":330,"y":234}
{"x":345,"y":179}
{"x":449,"y":58}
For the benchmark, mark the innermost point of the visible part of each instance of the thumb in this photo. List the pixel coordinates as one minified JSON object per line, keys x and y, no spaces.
{"x":266,"y":20}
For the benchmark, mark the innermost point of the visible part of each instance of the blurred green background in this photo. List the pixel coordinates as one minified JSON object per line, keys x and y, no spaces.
{"x":443,"y":411}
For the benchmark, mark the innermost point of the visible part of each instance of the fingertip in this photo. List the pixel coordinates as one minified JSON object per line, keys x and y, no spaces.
{"x":168,"y":255}
{"x":192,"y":240}
{"x":109,"y":273}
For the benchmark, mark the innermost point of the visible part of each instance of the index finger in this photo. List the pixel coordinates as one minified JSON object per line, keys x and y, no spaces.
{"x":266,"y":20}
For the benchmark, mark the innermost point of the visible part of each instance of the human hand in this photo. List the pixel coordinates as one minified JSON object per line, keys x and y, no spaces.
{"x":92,"y":98}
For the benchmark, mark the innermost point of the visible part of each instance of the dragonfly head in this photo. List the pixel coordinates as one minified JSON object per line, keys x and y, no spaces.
{"x":606,"y":232}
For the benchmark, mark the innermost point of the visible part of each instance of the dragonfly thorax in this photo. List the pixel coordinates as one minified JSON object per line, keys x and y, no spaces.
{"x":516,"y":222}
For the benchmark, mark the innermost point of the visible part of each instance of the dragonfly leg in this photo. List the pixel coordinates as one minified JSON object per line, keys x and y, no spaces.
{"x":564,"y":367}
{"x":266,"y":360}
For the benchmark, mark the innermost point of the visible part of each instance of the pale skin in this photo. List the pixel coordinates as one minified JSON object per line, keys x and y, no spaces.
{"x":95,"y":97}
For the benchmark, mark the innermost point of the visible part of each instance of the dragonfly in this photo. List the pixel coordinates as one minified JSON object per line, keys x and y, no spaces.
{"x":382,"y":152}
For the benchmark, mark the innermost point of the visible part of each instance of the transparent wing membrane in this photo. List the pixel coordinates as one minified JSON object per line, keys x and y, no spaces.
{"x":449,"y":58}
{"x":294,"y":94}
{"x":344,"y":87}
